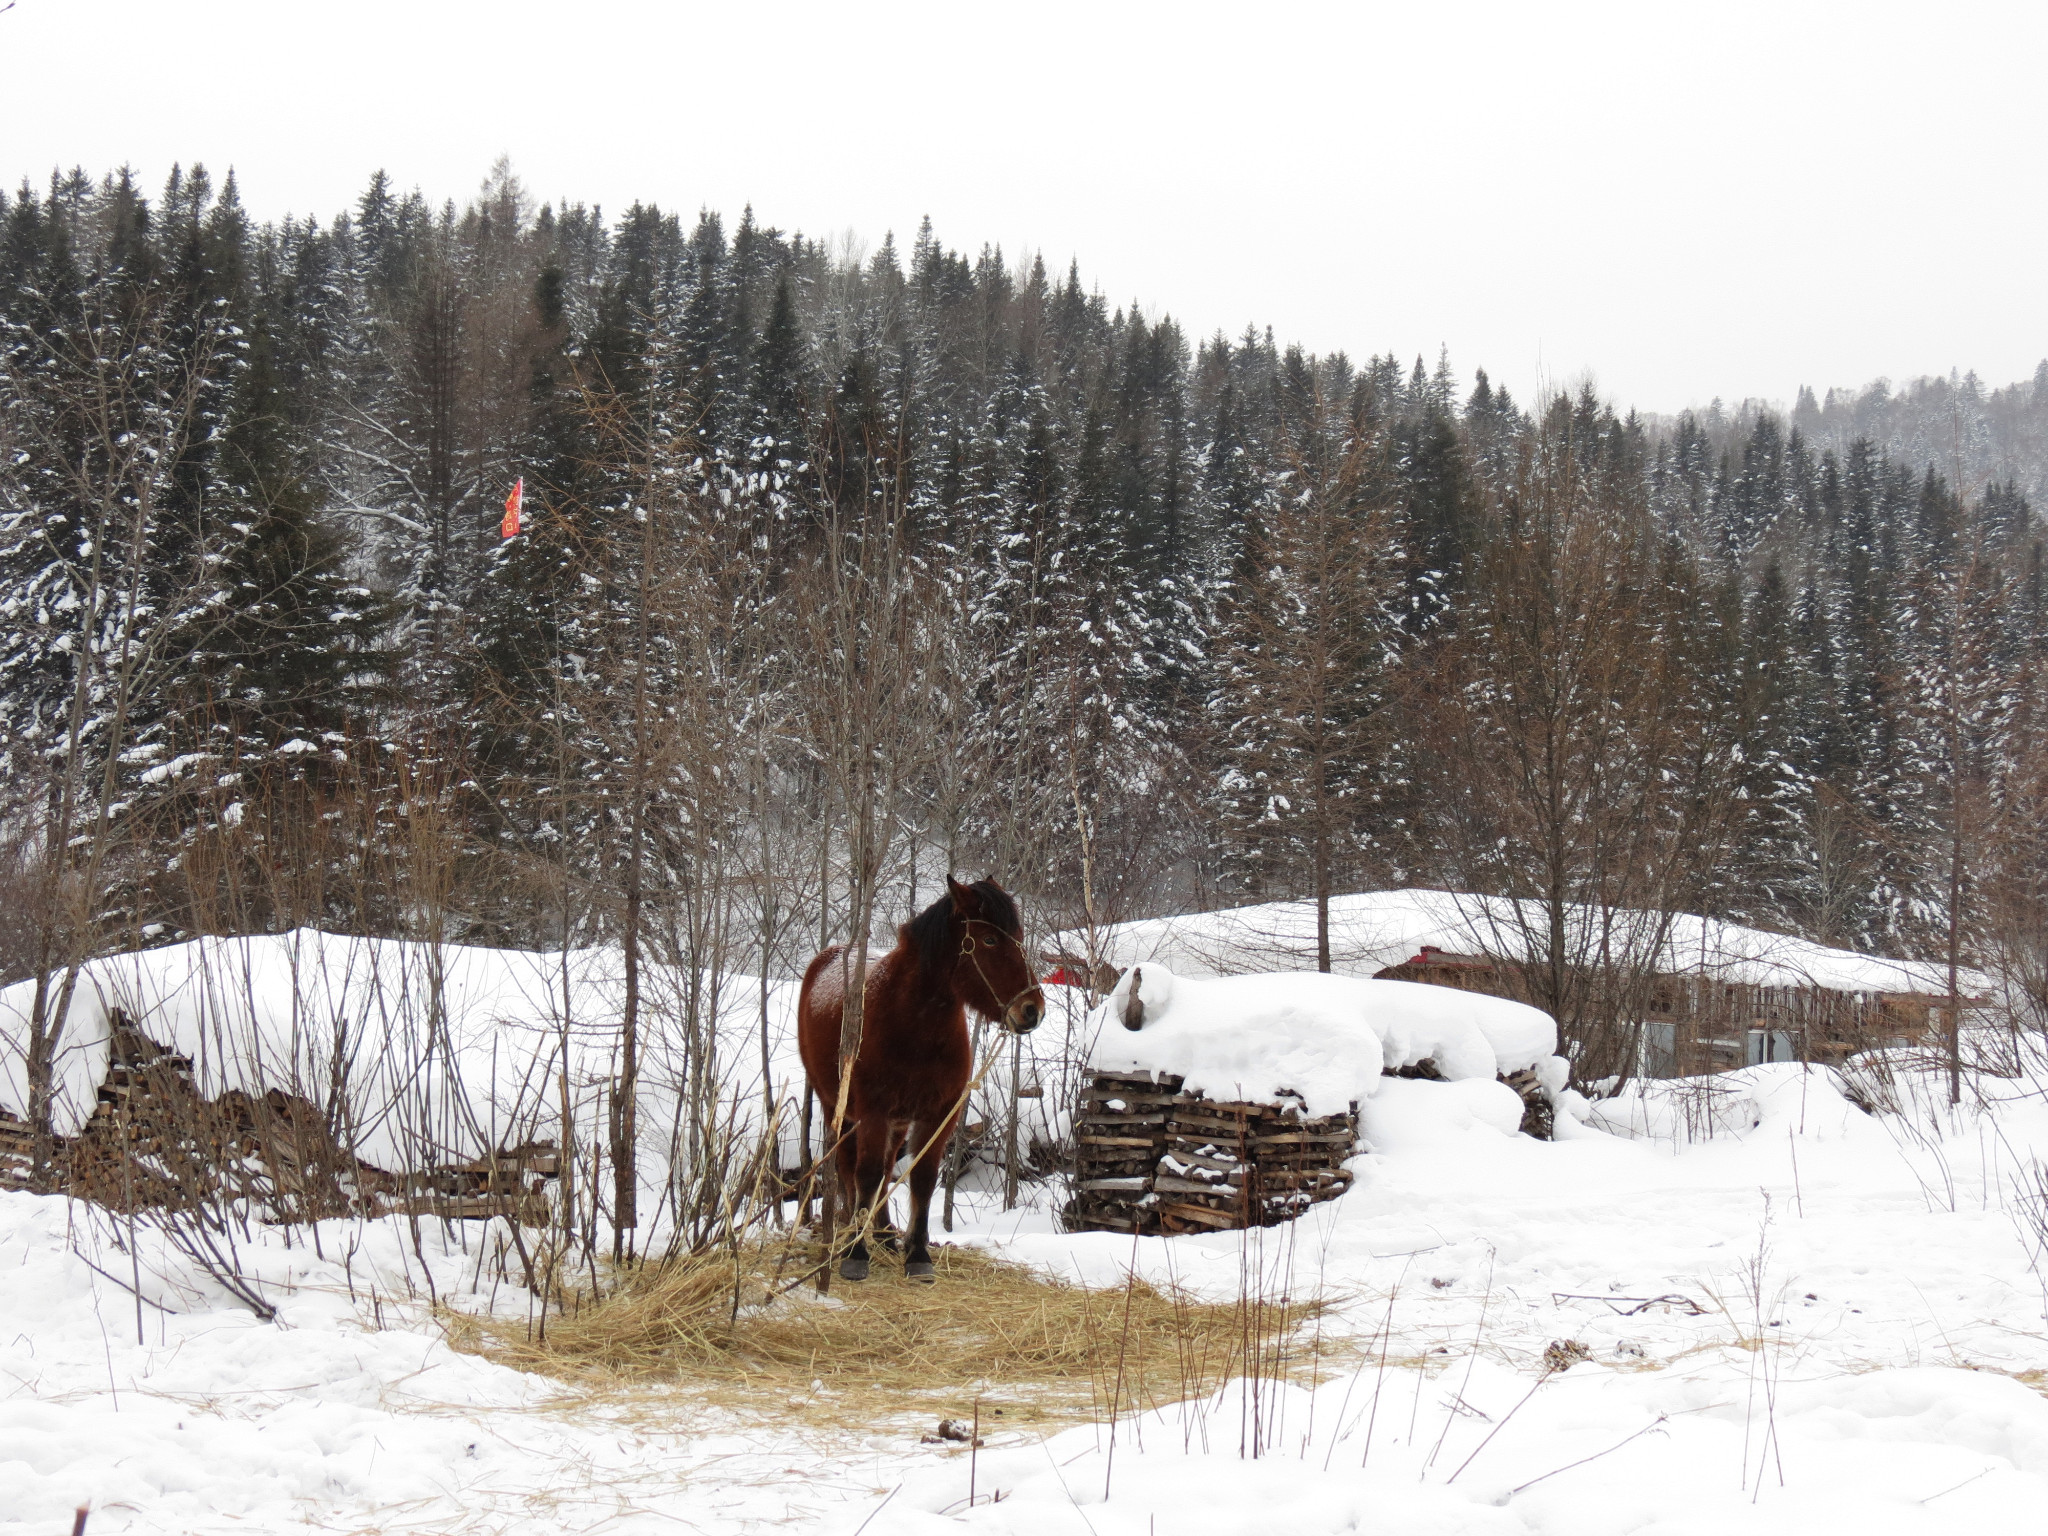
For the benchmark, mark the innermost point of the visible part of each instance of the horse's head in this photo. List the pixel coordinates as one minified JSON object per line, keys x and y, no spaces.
{"x":993,"y":975}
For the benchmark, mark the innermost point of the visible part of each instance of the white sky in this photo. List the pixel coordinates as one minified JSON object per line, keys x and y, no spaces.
{"x":1685,"y":201}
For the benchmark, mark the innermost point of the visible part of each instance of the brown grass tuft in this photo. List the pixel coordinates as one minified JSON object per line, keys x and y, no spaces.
{"x":1031,"y":1347}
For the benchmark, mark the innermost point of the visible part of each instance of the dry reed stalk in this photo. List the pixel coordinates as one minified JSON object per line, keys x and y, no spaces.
{"x":990,"y":1329}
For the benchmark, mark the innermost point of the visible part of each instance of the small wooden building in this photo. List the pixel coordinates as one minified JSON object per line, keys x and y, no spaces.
{"x":1720,"y":994}
{"x":1697,"y":1023}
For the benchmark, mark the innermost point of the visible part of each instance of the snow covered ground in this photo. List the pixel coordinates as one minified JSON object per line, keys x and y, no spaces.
{"x":1815,"y":1320}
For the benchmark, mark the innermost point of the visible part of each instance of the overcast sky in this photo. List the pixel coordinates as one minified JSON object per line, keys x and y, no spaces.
{"x":1683,"y":201}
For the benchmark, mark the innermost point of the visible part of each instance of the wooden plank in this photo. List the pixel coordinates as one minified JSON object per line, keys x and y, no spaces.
{"x":1138,"y":1076}
{"x":1207,"y":1115}
{"x":1328,"y":1153}
{"x":1167,"y":1185}
{"x":1203,"y":1160}
{"x":1327,"y":1177}
{"x":1305,"y":1139}
{"x":1130,"y":1186}
{"x":1219,"y":1133}
{"x":1117,"y":1141}
{"x":1202,"y":1214}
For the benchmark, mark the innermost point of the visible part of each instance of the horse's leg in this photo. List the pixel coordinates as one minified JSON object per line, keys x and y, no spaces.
{"x":845,"y":1169}
{"x":924,"y":1177}
{"x":870,"y":1167}
{"x":886,"y":1236}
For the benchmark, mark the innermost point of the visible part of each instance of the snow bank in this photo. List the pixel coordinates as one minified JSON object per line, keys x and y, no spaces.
{"x":1327,"y":1039}
{"x":1773,"y":1099}
{"x":1371,"y":930}
{"x":434,"y":1052}
{"x":1408,"y":1117}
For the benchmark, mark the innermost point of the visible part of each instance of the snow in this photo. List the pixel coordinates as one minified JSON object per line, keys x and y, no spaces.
{"x":1323,"y":1038}
{"x":202,"y":1419}
{"x":1892,"y":1453}
{"x":1409,"y":1116}
{"x":1371,"y":930}
{"x":1799,"y":1316}
{"x":402,"y":1032}
{"x":1865,"y":1357}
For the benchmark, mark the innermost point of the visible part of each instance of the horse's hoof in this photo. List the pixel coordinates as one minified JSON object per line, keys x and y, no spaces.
{"x":920,"y":1270}
{"x":853,"y":1269}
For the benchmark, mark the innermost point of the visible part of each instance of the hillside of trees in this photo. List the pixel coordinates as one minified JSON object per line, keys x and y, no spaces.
{"x":842,"y":570}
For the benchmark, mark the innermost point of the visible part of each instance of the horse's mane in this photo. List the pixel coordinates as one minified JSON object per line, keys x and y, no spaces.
{"x":931,"y":932}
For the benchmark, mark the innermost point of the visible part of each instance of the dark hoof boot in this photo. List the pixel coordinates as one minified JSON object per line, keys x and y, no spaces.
{"x":853,"y":1269}
{"x":921,"y":1271}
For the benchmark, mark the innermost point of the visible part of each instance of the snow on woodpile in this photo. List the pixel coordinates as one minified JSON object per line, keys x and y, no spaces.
{"x":1236,"y":1101}
{"x":1326,"y":1040}
{"x":1372,"y":930}
{"x":421,"y":1052}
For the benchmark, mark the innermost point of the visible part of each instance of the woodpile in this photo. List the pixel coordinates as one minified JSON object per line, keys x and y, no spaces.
{"x":508,"y":1183}
{"x":1119,"y":1138}
{"x":155,"y":1139}
{"x":1154,"y":1156}
{"x":15,"y":1152}
{"x":1539,"y":1117}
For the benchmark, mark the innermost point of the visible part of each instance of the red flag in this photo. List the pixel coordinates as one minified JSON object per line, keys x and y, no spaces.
{"x":509,"y":528}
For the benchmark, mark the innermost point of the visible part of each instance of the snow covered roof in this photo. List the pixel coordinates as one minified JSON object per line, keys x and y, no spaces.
{"x":1371,"y":930}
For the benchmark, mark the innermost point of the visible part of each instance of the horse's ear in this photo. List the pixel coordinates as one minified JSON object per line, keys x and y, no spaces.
{"x":962,"y":894}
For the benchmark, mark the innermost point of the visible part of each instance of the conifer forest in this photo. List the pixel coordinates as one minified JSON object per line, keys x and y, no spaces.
{"x":841,"y":569}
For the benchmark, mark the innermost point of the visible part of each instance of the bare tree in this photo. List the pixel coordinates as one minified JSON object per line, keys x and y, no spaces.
{"x":865,"y":598}
{"x":1587,"y":763}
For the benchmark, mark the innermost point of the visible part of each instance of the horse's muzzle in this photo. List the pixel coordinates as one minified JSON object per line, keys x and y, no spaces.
{"x":1024,"y":1014}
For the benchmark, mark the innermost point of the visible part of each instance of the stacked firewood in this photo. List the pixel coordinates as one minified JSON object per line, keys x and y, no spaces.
{"x":1539,"y":1117}
{"x":507,"y":1183}
{"x":151,"y":1134}
{"x":1155,"y":1157}
{"x":154,"y":1139}
{"x":1119,"y":1134}
{"x":16,"y":1152}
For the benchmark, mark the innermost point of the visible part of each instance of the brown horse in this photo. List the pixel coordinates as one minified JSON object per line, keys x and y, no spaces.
{"x":911,"y":1070}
